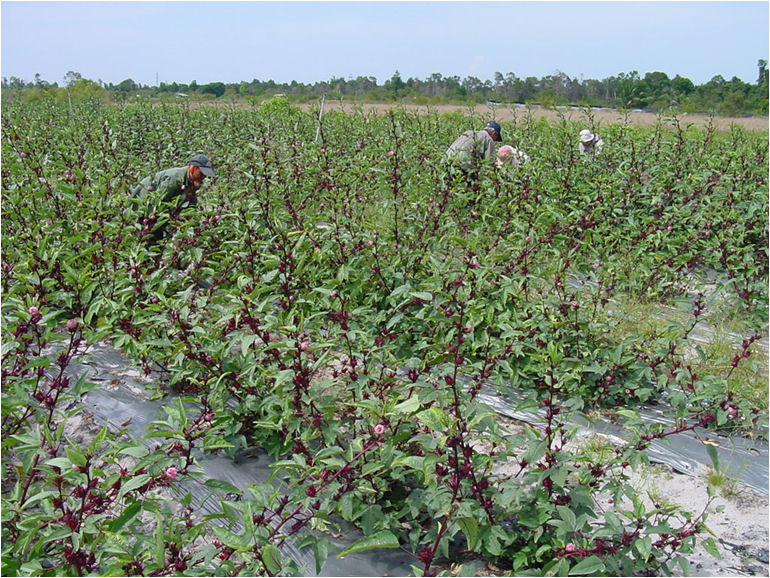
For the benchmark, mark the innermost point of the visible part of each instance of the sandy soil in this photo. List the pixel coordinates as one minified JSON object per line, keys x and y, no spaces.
{"x":738,"y":515}
{"x":738,"y":520}
{"x":601,"y":116}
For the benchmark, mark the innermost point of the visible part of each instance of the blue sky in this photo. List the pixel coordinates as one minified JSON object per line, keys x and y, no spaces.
{"x":210,"y":41}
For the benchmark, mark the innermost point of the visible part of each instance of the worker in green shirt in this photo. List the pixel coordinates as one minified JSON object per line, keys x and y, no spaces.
{"x":472,"y":147}
{"x":163,"y":196}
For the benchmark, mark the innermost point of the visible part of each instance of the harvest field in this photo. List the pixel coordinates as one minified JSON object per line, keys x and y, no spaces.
{"x":338,"y":302}
{"x":602,"y":116}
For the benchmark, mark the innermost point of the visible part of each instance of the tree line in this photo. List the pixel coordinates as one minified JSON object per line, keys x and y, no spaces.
{"x":654,"y":91}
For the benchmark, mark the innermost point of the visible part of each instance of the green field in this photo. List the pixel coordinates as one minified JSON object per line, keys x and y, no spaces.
{"x":338,"y":299}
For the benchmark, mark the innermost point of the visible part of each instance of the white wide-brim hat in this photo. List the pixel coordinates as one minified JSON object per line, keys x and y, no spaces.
{"x":586,"y":135}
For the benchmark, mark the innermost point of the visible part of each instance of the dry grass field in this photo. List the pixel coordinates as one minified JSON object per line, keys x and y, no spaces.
{"x":601,"y":116}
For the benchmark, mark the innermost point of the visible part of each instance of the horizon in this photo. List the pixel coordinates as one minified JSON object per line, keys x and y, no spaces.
{"x":314,"y":42}
{"x":379,"y":83}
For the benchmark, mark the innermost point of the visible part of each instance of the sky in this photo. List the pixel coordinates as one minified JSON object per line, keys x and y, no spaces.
{"x":218,"y":41}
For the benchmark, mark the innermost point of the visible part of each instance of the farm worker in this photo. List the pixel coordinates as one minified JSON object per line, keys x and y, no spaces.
{"x":173,"y":189}
{"x":508,"y":156}
{"x":590,"y":143}
{"x":473,"y":146}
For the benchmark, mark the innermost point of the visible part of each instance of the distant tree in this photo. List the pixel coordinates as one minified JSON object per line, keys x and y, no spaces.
{"x":435,"y":84}
{"x":626,"y":90}
{"x":14,"y":82}
{"x":762,"y":78}
{"x":85,"y":89}
{"x":40,"y":83}
{"x":529,"y":88}
{"x":362,"y":84}
{"x":127,"y":85}
{"x":760,"y":93}
{"x":215,"y":88}
{"x":395,"y":85}
{"x":512,"y":87}
{"x":682,"y":85}
{"x":471,"y":83}
{"x":473,"y":87}
{"x":71,"y":78}
{"x":717,"y":80}
{"x":656,"y":88}
{"x":499,"y":80}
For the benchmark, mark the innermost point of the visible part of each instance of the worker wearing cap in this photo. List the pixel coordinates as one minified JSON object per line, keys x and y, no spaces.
{"x":590,"y":143}
{"x":471,"y":147}
{"x":174,"y":188}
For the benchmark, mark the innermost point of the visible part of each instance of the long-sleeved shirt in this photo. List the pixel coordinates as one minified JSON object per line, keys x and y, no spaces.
{"x":592,"y":147}
{"x":469,"y":148}
{"x":165,"y":187}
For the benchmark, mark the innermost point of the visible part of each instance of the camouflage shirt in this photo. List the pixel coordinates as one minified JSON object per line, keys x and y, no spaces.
{"x":469,"y":148}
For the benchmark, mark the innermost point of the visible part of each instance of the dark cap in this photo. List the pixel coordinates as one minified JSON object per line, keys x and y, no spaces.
{"x":203,"y":163}
{"x":492,"y":125}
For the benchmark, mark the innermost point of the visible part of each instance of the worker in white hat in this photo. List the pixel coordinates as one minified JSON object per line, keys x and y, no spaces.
{"x":590,"y":143}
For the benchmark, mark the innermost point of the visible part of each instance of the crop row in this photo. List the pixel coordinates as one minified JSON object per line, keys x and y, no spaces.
{"x":339,"y":300}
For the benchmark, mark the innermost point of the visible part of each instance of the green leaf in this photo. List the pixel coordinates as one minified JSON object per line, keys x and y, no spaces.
{"x":467,"y":570}
{"x":684,"y":564}
{"x":133,"y":484}
{"x":407,"y":407}
{"x":76,"y":457}
{"x":135,"y":451}
{"x":82,"y":386}
{"x":32,"y":568}
{"x":128,"y":514}
{"x":215,"y":442}
{"x":559,"y":568}
{"x":629,"y":413}
{"x":37,"y":497}
{"x":470,"y":528}
{"x":158,"y":541}
{"x":590,"y":565}
{"x":237,"y":542}
{"x":383,"y":539}
{"x":568,"y":516}
{"x":328,"y":451}
{"x":63,"y":463}
{"x":712,"y":452}
{"x":711,"y":547}
{"x":423,"y":295}
{"x":247,"y":342}
{"x":222,"y":486}
{"x":272,"y":559}
{"x":535,"y":452}
{"x":644,"y":547}
{"x":8,"y":346}
{"x":435,"y":419}
{"x":414,"y":462}
{"x":320,"y":546}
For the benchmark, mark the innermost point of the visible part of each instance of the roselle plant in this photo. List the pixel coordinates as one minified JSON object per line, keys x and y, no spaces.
{"x":357,"y":301}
